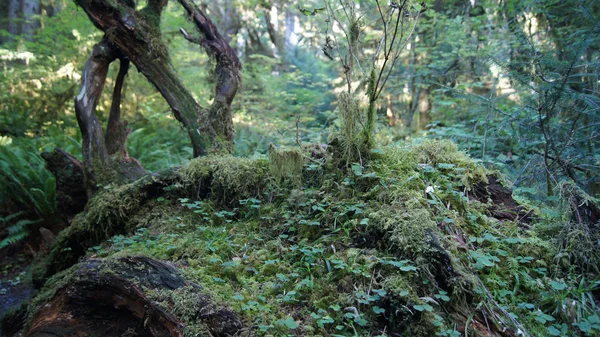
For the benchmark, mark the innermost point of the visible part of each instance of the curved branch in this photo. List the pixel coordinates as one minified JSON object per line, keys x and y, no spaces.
{"x":137,"y":35}
{"x":117,"y":131}
{"x":227,"y":71}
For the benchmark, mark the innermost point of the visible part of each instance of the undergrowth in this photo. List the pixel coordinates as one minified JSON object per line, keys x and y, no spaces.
{"x":395,"y":245}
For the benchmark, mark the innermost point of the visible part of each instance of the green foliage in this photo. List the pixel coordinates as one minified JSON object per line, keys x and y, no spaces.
{"x":396,"y":235}
{"x":26,"y":184}
{"x":351,"y":244}
{"x":17,"y":229}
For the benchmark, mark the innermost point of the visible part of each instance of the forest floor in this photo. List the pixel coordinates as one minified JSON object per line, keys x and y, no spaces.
{"x":16,"y":286}
{"x":417,"y":241}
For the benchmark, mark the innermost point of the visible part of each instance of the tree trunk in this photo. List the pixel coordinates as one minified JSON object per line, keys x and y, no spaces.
{"x":424,"y":108}
{"x":30,"y":8}
{"x":290,"y":30}
{"x":14,"y":9}
{"x":100,"y":167}
{"x":136,"y":33}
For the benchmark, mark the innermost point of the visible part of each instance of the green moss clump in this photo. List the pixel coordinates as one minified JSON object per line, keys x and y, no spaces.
{"x":351,"y":121}
{"x":227,"y":179}
{"x":286,"y":164}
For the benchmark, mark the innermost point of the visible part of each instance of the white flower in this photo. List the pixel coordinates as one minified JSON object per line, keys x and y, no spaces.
{"x":429,"y":189}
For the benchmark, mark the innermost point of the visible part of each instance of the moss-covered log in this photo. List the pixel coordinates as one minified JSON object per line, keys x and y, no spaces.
{"x":225,"y":180}
{"x":399,"y":232}
{"x":122,"y":297}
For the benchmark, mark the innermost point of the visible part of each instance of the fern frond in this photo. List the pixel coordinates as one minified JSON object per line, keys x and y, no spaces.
{"x":10,"y":217}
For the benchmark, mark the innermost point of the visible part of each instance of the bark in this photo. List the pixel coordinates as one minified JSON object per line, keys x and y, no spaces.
{"x":14,"y":9}
{"x":30,"y":8}
{"x":99,"y":166}
{"x":227,"y":72}
{"x":117,"y":131}
{"x":108,"y":298}
{"x":94,"y":78}
{"x":136,"y":33}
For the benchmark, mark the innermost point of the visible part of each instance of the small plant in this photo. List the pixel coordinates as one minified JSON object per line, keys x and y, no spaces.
{"x":17,"y":231}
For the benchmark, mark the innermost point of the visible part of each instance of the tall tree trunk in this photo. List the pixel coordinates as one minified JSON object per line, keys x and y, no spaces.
{"x":290,"y":30}
{"x":31,"y":9}
{"x":424,"y":108}
{"x":14,"y":9}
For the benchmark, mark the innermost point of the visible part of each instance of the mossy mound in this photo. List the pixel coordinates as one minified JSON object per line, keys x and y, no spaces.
{"x":395,"y":246}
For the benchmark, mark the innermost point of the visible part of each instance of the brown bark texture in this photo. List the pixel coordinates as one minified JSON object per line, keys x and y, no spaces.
{"x":100,"y":164}
{"x":136,"y":34}
{"x":109,"y":298}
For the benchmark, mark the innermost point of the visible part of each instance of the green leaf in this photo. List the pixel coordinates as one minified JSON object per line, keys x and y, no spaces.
{"x":558,"y":285}
{"x":552,"y":331}
{"x":424,"y":307}
{"x":357,"y":169}
{"x":378,"y":310}
{"x":290,"y":323}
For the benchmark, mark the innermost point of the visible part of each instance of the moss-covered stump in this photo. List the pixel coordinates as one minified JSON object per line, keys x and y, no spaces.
{"x":418,"y":241}
{"x":71,"y":195}
{"x":128,"y":296}
{"x":112,"y":211}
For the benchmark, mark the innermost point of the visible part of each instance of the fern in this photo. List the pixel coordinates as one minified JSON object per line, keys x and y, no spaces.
{"x":17,"y":231}
{"x":26,"y":182}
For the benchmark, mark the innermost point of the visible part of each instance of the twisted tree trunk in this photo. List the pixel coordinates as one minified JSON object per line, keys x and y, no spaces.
{"x":136,"y":34}
{"x":133,"y":35}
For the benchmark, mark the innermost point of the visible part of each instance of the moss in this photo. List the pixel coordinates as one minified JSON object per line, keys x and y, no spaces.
{"x":314,"y":251}
{"x":405,"y":228}
{"x":47,"y":293}
{"x":286,"y":164}
{"x":369,"y":131}
{"x":350,"y":129}
{"x":227,"y":179}
{"x":194,"y":307}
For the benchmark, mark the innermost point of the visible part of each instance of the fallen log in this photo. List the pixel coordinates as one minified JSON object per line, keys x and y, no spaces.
{"x":128,"y":296}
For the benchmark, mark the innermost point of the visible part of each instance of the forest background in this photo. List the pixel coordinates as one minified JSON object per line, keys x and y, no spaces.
{"x":513,"y":83}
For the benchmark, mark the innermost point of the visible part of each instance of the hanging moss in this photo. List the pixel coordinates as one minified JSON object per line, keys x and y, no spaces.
{"x":369,"y":131}
{"x":286,"y":164}
{"x":351,"y":127}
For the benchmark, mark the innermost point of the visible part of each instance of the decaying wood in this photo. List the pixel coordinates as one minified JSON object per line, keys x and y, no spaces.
{"x":71,"y":195}
{"x":503,"y":207}
{"x":109,"y":298}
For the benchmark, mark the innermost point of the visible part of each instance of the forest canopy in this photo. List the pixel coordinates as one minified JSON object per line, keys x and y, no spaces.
{"x":300,"y":168}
